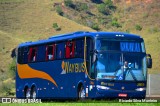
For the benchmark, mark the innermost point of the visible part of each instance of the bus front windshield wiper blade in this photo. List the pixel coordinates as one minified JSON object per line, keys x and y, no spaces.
{"x":129,"y":70}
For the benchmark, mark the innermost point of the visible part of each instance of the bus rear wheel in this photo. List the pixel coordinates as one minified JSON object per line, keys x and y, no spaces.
{"x":27,"y":93}
{"x":33,"y":93}
{"x":81,"y":93}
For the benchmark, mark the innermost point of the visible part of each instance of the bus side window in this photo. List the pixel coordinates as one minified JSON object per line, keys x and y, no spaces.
{"x":70,"y":49}
{"x":32,"y":54}
{"x":79,"y":51}
{"x":20,"y":56}
{"x":25,"y":55}
{"x":50,"y":52}
{"x":41,"y":53}
{"x":60,"y":50}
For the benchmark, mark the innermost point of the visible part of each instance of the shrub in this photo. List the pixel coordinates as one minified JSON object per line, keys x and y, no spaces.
{"x":6,"y":89}
{"x":68,"y":3}
{"x":127,"y":31}
{"x":56,"y":27}
{"x":138,"y":27}
{"x":59,"y":10}
{"x":102,"y":21}
{"x":2,"y":48}
{"x":109,"y":4}
{"x":97,"y":1}
{"x":81,"y":6}
{"x":145,"y":15}
{"x":115,"y":23}
{"x":153,"y":30}
{"x":89,"y":23}
{"x":12,"y":68}
{"x":103,"y":9}
{"x":95,"y":27}
{"x":3,"y":76}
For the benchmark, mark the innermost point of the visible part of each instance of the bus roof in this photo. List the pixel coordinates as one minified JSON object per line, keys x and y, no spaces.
{"x":79,"y":34}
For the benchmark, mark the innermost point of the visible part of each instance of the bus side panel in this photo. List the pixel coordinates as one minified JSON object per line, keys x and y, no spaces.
{"x":66,"y":74}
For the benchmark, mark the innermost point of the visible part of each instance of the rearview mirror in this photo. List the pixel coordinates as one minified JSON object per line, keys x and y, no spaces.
{"x":149,"y":61}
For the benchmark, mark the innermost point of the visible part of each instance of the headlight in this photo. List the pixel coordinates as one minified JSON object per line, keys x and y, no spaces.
{"x":140,"y":89}
{"x":102,"y":87}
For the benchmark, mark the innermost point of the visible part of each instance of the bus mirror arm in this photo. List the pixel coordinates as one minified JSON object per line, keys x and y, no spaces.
{"x":94,"y":54}
{"x":95,"y":51}
{"x":149,"y":61}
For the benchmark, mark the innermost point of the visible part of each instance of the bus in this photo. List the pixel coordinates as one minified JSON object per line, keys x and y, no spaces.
{"x":83,"y":65}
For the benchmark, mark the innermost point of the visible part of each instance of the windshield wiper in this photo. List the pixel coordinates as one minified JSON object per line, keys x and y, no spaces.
{"x":129,"y":70}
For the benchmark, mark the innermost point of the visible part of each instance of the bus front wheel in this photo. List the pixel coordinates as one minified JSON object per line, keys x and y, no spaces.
{"x":81,"y":93}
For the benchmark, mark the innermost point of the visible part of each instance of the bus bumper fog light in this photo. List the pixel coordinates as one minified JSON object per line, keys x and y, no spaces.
{"x":99,"y":87}
{"x":140,"y":89}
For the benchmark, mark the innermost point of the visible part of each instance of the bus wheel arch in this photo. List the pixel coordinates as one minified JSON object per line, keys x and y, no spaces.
{"x":33,"y":92}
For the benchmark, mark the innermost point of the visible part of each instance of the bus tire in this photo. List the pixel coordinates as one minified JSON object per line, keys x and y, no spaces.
{"x":27,"y":93}
{"x":33,"y":93}
{"x":81,"y":93}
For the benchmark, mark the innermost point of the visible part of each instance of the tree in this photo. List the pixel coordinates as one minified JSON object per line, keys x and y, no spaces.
{"x":103,"y":9}
{"x":115,"y":23}
{"x":68,"y":3}
{"x":81,"y":6}
{"x":109,"y":4}
{"x":138,"y":27}
{"x":97,"y":1}
{"x":56,"y":27}
{"x":59,"y":10}
{"x":95,"y":27}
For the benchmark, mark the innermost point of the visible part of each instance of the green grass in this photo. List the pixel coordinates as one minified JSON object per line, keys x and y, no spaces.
{"x":84,"y":104}
{"x":7,"y":1}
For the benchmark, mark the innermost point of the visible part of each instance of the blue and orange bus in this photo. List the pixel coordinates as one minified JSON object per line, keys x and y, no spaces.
{"x":83,"y":65}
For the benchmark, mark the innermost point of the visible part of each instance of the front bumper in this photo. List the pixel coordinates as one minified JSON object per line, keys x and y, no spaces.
{"x":120,"y":94}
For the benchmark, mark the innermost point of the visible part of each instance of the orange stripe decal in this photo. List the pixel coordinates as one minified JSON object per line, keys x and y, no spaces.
{"x":25,"y":71}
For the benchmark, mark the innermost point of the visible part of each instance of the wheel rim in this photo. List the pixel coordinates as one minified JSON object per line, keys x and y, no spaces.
{"x":28,"y":94}
{"x":82,"y":93}
{"x":34,"y":93}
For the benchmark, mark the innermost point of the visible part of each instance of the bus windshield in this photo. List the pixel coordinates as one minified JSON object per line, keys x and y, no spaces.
{"x":121,"y":60}
{"x":120,"y":45}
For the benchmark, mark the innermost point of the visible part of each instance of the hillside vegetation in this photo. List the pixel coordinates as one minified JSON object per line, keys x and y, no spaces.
{"x":30,"y":20}
{"x":132,"y":16}
{"x":27,"y":20}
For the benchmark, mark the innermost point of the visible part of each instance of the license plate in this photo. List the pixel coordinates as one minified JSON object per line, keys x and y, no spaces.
{"x":122,"y":95}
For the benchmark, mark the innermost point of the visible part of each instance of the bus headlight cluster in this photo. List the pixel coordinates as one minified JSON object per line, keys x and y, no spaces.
{"x":140,"y":89}
{"x":102,"y":87}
